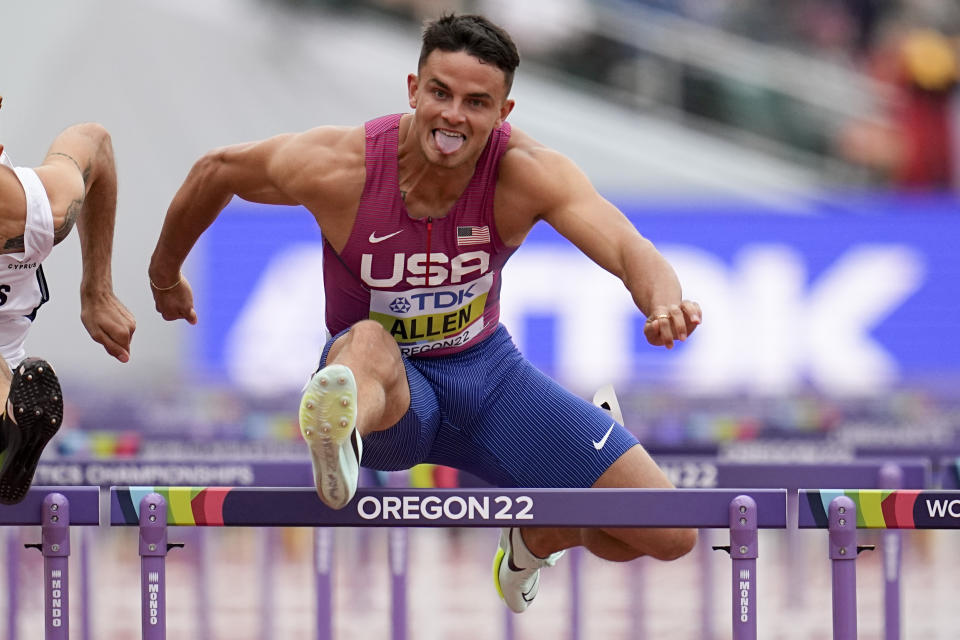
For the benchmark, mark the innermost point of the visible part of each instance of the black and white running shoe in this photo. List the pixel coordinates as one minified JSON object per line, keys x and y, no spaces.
{"x":33,"y":415}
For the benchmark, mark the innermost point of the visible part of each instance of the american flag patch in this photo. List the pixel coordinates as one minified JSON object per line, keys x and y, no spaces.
{"x":472,"y":235}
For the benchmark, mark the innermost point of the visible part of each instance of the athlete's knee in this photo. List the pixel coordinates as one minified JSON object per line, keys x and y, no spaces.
{"x":368,"y":346}
{"x":366,"y":340}
{"x":371,"y":333}
{"x":674,"y":543}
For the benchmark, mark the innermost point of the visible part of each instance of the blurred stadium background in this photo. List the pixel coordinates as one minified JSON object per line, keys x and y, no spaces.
{"x":797,"y":162}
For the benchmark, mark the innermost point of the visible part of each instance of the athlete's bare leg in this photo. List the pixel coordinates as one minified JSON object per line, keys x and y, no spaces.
{"x":6,"y":375}
{"x":635,"y":468}
{"x":383,"y":394}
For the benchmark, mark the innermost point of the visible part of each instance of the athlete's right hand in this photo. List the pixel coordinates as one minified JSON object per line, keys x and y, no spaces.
{"x":176,"y":301}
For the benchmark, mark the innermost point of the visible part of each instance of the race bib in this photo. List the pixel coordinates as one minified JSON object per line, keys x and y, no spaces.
{"x":435,"y":318}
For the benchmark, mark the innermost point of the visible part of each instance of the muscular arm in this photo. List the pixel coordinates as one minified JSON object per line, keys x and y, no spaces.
{"x":317,"y":168}
{"x":79,"y":177}
{"x":84,"y":152}
{"x":244,"y":170}
{"x":545,"y":182}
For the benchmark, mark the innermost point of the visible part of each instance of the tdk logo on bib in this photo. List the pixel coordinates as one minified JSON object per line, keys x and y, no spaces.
{"x":424,"y":319}
{"x":400,"y":305}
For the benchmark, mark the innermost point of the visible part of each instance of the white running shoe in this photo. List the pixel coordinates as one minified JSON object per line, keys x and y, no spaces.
{"x":328,"y":418}
{"x":516,"y":571}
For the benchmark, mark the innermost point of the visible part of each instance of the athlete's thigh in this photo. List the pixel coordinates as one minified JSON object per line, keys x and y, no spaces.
{"x":539,"y":434}
{"x":636,"y":469}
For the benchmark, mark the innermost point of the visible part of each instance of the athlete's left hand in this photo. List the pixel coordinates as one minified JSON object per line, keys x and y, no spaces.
{"x":108,"y":322}
{"x":667,"y":323}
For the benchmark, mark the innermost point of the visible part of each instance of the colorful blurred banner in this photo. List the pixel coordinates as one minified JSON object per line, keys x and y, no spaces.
{"x":857,"y":297}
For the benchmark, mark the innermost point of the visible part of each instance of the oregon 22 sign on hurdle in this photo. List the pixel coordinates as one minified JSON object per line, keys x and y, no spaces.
{"x":153,"y":508}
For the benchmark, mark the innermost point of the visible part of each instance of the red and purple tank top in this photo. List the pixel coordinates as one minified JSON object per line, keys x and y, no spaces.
{"x":433,"y":283}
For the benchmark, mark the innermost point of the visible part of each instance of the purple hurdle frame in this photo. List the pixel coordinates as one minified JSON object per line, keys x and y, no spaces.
{"x":897,"y":473}
{"x":741,"y":511}
{"x":704,"y":471}
{"x":153,"y":553}
{"x":55,"y":509}
{"x":743,"y":552}
{"x":842,"y":512}
{"x":842,"y":525}
{"x":107,"y":472}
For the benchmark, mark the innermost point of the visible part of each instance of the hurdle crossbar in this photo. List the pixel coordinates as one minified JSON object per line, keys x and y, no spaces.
{"x":706,"y":472}
{"x":884,"y":509}
{"x":155,"y":508}
{"x":300,"y":507}
{"x":84,"y":506}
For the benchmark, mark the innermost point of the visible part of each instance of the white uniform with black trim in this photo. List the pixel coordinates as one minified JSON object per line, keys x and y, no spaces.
{"x":22,"y":285}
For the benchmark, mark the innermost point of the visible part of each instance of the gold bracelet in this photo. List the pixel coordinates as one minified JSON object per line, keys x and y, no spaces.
{"x":173,"y":286}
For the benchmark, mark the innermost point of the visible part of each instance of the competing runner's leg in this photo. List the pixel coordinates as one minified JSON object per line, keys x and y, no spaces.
{"x":667,"y":544}
{"x":544,"y":436}
{"x":530,"y":432}
{"x":361,"y":388}
{"x":523,"y":552}
{"x":634,"y":469}
{"x":6,"y":375}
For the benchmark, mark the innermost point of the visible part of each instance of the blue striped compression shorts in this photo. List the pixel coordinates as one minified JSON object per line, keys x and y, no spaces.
{"x":489,"y":412}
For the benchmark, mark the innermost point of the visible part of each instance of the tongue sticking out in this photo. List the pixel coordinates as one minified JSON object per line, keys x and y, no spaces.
{"x":447,"y":143}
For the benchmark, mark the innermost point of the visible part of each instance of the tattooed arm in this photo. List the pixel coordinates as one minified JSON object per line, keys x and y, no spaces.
{"x":80,"y":178}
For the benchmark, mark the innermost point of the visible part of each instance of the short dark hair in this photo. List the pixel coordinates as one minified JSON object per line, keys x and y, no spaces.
{"x":474,"y":34}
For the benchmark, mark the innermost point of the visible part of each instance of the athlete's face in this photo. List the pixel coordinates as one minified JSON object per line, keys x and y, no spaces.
{"x":458,"y":100}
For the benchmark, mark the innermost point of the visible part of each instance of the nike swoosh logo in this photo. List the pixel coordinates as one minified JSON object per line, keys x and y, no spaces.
{"x":374,"y":239}
{"x":603,"y":440}
{"x":526,"y":594}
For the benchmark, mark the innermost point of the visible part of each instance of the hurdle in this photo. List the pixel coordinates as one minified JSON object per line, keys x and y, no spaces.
{"x":55,"y":510}
{"x":153,"y":509}
{"x":843,"y":512}
{"x":84,"y":471}
{"x":889,"y":473}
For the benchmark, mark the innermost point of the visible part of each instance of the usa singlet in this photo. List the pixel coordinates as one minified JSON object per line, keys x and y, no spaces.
{"x":433,"y":283}
{"x":22,"y":285}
